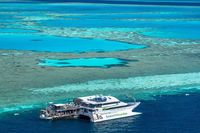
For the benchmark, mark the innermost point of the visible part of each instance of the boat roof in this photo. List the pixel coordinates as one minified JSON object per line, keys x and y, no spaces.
{"x":58,"y":105}
{"x":98,"y":99}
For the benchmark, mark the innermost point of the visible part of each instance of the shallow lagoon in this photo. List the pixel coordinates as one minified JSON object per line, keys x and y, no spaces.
{"x":61,"y":44}
{"x":83,"y":62}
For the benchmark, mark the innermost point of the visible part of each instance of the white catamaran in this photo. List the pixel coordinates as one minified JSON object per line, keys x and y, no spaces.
{"x":96,"y":108}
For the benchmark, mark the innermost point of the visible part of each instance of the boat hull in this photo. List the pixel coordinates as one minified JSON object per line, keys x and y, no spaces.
{"x":115,"y":114}
{"x":102,"y":112}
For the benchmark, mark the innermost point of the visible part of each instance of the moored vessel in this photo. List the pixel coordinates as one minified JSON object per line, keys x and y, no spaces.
{"x":96,"y":108}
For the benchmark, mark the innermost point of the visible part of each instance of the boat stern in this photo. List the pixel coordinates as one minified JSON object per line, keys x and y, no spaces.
{"x":44,"y":115}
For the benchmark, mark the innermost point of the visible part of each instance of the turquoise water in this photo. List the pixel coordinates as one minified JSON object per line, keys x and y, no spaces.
{"x":170,"y":34}
{"x":119,"y":29}
{"x":159,"y":114}
{"x":6,"y":17}
{"x":9,"y":21}
{"x":92,"y":8}
{"x":83,"y":62}
{"x":148,"y":85}
{"x":121,"y":23}
{"x":61,"y":44}
{"x":143,"y":88}
{"x":178,"y":29}
{"x":16,"y":31}
{"x":165,"y":17}
{"x":145,"y":15}
{"x":119,"y":9}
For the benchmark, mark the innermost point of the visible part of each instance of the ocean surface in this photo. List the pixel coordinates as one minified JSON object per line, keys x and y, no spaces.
{"x":165,"y":114}
{"x":170,"y":103}
{"x":173,"y":22}
{"x":61,"y":44}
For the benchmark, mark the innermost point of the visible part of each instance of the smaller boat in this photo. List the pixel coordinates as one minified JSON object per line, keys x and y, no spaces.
{"x":57,"y":111}
{"x":96,"y":108}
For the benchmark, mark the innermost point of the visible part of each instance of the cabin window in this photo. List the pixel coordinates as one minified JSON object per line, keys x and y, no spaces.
{"x":111,"y":103}
{"x":116,"y":107}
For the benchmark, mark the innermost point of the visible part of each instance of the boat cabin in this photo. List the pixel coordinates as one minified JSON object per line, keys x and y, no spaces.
{"x":96,"y":101}
{"x":61,"y":109}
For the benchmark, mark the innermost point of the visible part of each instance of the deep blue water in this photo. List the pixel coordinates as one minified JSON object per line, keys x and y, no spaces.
{"x":141,"y":2}
{"x":161,"y":0}
{"x":61,"y":44}
{"x":167,"y":114}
